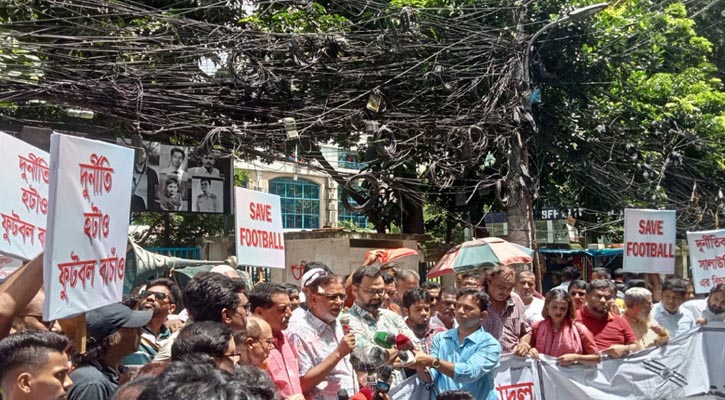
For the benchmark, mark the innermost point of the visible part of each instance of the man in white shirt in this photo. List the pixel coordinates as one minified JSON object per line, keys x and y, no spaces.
{"x":668,"y":312}
{"x":714,"y":306}
{"x":525,"y":287}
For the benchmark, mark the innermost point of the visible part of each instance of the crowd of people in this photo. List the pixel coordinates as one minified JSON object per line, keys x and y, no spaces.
{"x":331,"y":337}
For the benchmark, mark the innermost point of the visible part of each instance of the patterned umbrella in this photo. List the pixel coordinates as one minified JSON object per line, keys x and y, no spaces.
{"x":477,"y":253}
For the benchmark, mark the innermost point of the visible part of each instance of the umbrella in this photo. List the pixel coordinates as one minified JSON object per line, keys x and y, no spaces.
{"x":385,"y":256}
{"x":490,"y":251}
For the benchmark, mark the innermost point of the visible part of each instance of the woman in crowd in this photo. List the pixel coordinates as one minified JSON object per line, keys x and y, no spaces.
{"x":559,"y":335}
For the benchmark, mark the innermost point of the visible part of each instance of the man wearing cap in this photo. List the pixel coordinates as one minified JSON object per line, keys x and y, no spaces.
{"x":113,"y":333}
{"x":321,"y":344}
{"x":312,"y":271}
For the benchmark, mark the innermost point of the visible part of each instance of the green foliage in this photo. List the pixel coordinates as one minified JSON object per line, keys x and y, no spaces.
{"x":649,"y":129}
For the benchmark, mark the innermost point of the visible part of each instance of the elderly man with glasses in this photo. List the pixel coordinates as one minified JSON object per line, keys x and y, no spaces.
{"x":320,"y":342}
{"x":367,"y":318}
{"x":162,"y":297}
{"x":271,"y":302}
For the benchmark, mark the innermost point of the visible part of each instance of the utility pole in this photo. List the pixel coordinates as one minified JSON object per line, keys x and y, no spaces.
{"x":522,"y":186}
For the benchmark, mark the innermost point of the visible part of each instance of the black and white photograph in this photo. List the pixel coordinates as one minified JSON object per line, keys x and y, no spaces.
{"x":207,"y":194}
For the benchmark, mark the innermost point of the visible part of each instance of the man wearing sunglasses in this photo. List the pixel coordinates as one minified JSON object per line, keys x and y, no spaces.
{"x":321,"y":345}
{"x":162,"y":297}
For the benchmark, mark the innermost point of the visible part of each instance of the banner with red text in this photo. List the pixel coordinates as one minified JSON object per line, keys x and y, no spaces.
{"x":649,"y":241}
{"x":689,"y":365}
{"x":515,"y":378}
{"x":675,"y":370}
{"x":23,"y":197}
{"x":707,"y":258}
{"x":259,"y":232}
{"x":88,"y":215}
{"x":8,"y":265}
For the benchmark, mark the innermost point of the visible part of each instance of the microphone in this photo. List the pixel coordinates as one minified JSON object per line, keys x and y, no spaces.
{"x":342,"y":395}
{"x":365,"y":393}
{"x":371,"y":379}
{"x":372,"y":355}
{"x":384,"y":339}
{"x":383,"y":384}
{"x":404,"y":343}
{"x":406,"y":357}
{"x":345,"y":322}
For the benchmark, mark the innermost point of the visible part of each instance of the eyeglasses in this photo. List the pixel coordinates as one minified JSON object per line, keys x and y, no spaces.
{"x":158,"y":295}
{"x":334,"y":296}
{"x":373,"y":292}
{"x":246,"y":307}
{"x":267,"y":341}
{"x":577,"y":294}
{"x":233,"y":357}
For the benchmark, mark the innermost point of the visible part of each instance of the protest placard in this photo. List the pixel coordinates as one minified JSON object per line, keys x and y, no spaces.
{"x":260,"y":236}
{"x":649,"y":241}
{"x":23,"y":198}
{"x":8,"y":265}
{"x":88,"y":215}
{"x":707,"y":258}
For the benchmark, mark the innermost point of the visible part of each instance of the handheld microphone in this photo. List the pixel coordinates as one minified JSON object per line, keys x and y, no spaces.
{"x":371,"y":379}
{"x":404,"y":343}
{"x":364,"y":394}
{"x":406,"y":357}
{"x":384,"y":339}
{"x":345,"y":322}
{"x":342,"y":395}
{"x":383,"y":384}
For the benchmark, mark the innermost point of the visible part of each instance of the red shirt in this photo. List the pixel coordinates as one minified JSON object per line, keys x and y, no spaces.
{"x":613,"y":330}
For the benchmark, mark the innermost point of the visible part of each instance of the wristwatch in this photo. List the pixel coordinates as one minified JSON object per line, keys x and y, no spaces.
{"x":436,"y":363}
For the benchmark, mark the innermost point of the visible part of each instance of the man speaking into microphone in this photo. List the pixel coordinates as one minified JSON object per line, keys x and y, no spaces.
{"x":322,"y":342}
{"x":367,"y":318}
{"x":464,"y":358}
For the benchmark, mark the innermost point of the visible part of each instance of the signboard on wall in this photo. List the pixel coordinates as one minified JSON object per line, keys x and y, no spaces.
{"x":179,"y":178}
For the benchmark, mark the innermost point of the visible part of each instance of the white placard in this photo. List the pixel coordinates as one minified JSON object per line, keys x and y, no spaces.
{"x":259,"y":233}
{"x":707,"y":258}
{"x":649,"y":241}
{"x":88,"y":215}
{"x":23,"y":198}
{"x":8,"y":265}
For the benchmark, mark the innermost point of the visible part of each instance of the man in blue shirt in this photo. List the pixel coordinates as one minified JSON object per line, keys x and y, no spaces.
{"x":464,"y":358}
{"x":668,"y":312}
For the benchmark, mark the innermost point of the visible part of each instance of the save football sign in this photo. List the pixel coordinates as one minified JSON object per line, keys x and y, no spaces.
{"x":259,"y":232}
{"x":649,"y":241}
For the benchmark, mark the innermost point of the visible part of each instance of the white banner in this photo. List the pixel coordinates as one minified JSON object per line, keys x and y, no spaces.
{"x":516,"y":378}
{"x":260,"y":237}
{"x":688,"y":365}
{"x":649,"y":241}
{"x":707,"y":258}
{"x":88,"y":215}
{"x":676,"y":369}
{"x":23,"y":198}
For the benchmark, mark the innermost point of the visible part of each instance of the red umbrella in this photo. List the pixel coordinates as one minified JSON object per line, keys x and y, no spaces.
{"x":476,"y":253}
{"x":385,"y":256}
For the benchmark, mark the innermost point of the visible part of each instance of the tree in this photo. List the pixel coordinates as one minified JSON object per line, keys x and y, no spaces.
{"x":633,"y":117}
